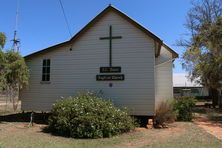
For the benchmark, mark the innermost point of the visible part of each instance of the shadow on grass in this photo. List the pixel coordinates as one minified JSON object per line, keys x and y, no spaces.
{"x":56,"y":133}
{"x":201,"y":110}
{"x":39,"y":118}
{"x":215,"y":117}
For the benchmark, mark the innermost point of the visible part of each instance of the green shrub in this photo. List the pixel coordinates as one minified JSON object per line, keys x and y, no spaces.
{"x":164,"y":114}
{"x":183,"y":107}
{"x":88,"y":116}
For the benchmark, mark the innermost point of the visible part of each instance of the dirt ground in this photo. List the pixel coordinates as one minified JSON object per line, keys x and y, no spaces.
{"x":10,"y":127}
{"x":212,"y":127}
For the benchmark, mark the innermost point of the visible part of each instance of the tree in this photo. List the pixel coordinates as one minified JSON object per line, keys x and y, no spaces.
{"x":2,"y":68}
{"x":14,"y":74}
{"x":2,"y":61}
{"x":2,"y":40}
{"x":203,"y":57}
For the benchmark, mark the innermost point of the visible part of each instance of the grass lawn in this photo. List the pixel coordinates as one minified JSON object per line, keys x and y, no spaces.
{"x":15,"y":133}
{"x":179,"y":134}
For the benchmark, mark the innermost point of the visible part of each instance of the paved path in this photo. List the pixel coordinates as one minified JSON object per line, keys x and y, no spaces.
{"x":212,"y":127}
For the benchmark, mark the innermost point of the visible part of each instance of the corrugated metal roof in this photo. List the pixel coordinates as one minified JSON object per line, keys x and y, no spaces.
{"x":182,"y":80}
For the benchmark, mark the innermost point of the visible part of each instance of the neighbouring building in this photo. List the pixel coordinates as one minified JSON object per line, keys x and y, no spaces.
{"x":183,"y":86}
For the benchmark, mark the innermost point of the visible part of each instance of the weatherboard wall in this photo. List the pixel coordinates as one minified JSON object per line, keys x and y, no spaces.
{"x":163,"y":76}
{"x":76,"y":70}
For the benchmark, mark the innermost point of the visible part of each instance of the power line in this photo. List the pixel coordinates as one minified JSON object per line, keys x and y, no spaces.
{"x":66,"y":20}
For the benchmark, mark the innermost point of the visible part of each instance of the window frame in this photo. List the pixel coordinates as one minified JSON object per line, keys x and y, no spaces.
{"x":46,"y":66}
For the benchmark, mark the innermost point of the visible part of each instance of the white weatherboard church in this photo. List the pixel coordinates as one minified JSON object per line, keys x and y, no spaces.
{"x":113,"y":54}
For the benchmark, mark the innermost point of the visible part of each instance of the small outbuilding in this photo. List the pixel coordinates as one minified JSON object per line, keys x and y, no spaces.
{"x":183,"y":86}
{"x":113,"y":54}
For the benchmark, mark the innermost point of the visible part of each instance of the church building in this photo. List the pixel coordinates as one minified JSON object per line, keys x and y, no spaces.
{"x":112,"y":54}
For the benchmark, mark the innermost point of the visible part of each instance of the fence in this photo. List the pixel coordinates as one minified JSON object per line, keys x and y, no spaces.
{"x":7,"y":105}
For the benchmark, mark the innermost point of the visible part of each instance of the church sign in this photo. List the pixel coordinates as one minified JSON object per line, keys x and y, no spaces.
{"x":114,"y":77}
{"x":110,"y":69}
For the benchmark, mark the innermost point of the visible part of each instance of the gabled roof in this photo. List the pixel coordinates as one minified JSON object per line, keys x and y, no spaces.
{"x":96,"y":19}
{"x":175,"y":55}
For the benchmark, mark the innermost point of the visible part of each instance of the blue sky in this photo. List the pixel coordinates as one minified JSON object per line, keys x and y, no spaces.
{"x":41,"y":22}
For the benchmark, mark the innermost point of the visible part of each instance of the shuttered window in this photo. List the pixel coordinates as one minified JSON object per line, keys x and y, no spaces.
{"x":46,"y":70}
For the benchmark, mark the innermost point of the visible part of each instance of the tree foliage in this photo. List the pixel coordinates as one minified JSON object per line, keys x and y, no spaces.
{"x":203,"y":57}
{"x":2,"y":40}
{"x":17,"y":73}
{"x":2,"y":70}
{"x":14,"y":73}
{"x":2,"y":60}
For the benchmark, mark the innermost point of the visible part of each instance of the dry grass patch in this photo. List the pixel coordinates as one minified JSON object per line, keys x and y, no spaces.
{"x":179,"y":134}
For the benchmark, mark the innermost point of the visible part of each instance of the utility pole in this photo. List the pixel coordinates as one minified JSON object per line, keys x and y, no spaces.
{"x":15,"y":40}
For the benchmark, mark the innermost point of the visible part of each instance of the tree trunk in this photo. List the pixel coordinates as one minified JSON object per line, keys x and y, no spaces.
{"x":220,"y":99}
{"x":214,"y":95}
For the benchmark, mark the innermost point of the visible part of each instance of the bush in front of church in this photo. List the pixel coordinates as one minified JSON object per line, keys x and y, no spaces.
{"x":183,"y":106}
{"x":88,"y":116}
{"x":164,"y":114}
